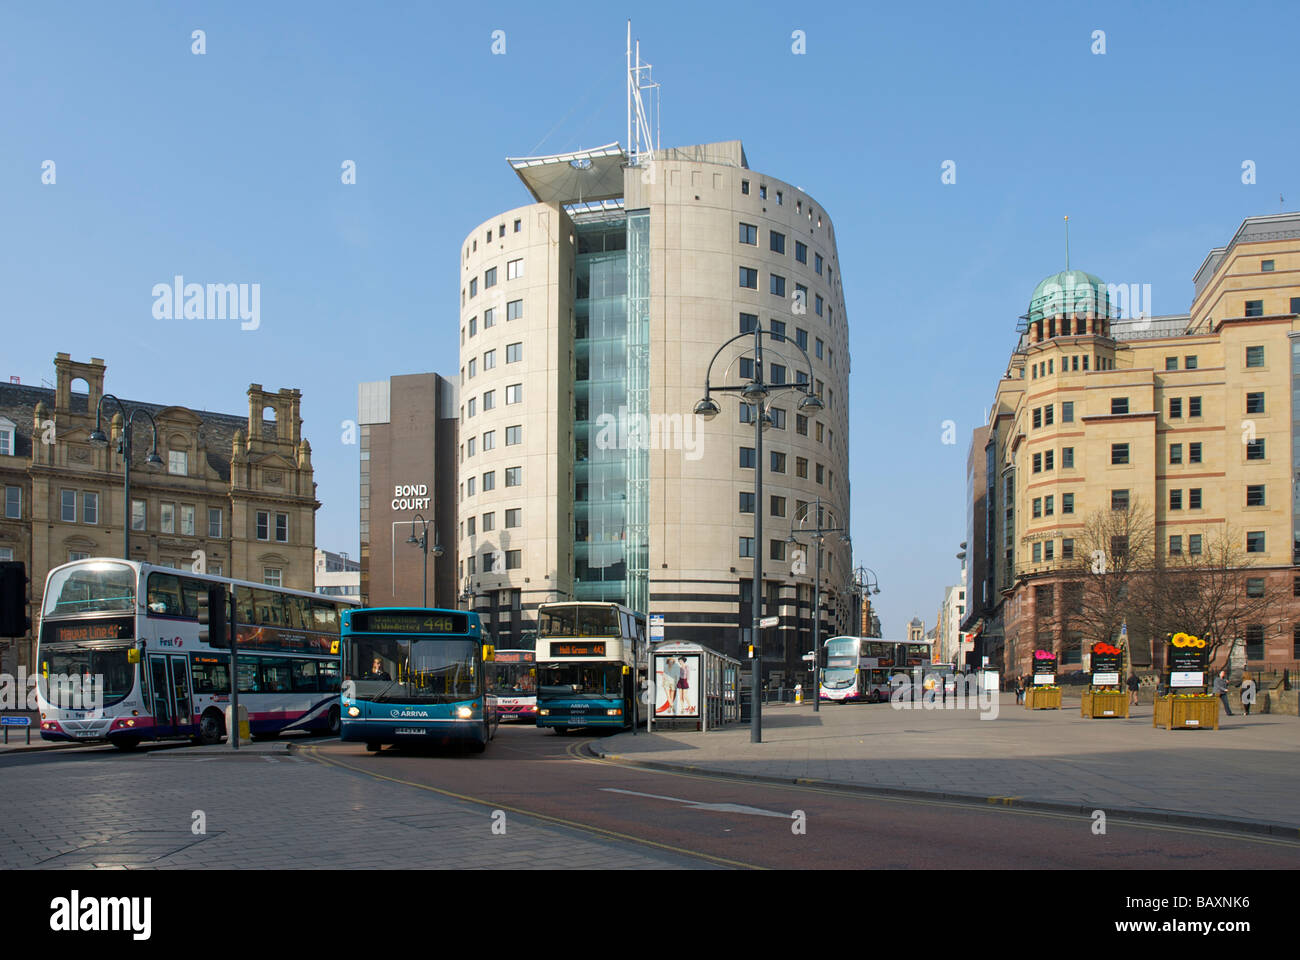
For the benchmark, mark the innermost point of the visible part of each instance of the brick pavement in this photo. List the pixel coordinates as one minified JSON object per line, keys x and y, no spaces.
{"x":1248,"y":771}
{"x":267,"y":810}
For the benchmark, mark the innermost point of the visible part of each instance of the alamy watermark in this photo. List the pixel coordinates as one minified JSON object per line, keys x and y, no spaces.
{"x":179,"y":300}
{"x":927,"y":691}
{"x":656,"y":431}
{"x":59,"y":690}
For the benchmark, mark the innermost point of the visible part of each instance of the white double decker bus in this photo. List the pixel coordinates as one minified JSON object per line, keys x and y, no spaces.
{"x":858,"y":669}
{"x":591,"y":665}
{"x":133,"y":631}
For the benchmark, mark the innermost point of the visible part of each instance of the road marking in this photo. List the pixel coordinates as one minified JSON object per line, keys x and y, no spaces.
{"x":585,"y":828}
{"x":698,"y":805}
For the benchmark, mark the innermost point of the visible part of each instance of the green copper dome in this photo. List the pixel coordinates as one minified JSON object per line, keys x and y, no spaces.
{"x":1071,"y":292}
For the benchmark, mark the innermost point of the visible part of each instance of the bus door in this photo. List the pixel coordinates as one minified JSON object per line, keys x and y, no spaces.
{"x":169,"y":678}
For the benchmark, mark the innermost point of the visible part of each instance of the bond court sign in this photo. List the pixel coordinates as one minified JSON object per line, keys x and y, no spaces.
{"x":411,"y":496}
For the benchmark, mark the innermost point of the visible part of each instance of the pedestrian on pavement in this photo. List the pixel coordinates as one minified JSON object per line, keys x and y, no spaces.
{"x":1221,"y":689}
{"x":1247,"y":693}
{"x":1133,"y":686}
{"x":1020,"y":689}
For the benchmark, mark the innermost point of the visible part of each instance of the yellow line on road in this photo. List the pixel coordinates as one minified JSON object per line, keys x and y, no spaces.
{"x":587,"y":828}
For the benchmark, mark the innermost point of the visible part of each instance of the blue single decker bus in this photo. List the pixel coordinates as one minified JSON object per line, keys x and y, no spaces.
{"x":414,"y":676}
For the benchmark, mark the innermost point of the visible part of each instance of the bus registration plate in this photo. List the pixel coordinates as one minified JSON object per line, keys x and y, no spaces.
{"x":410,"y":730}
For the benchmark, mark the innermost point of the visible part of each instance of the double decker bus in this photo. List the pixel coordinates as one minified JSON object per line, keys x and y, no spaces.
{"x":416,"y":676}
{"x":592,"y":665}
{"x":858,"y":669}
{"x":512,"y":680}
{"x":134,"y":628}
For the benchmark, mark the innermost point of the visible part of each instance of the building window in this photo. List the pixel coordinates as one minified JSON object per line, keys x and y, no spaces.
{"x":1171,"y":363}
{"x":473,"y":368}
{"x":776,"y":285}
{"x":489,"y":440}
{"x":1038,"y":552}
{"x":748,"y":322}
{"x":777,"y":329}
{"x":138,"y":515}
{"x":776,"y":241}
{"x":1048,"y":553}
{"x":77,"y":555}
{"x":489,"y":320}
{"x":69,"y":506}
{"x":1254,"y":356}
{"x":1038,"y":463}
{"x":489,"y":481}
{"x":820,"y":473}
{"x":514,"y":310}
{"x":1067,"y":503}
{"x":489,"y":400}
{"x":514,"y":559}
{"x":470,"y":484}
{"x":1118,"y":453}
{"x":6,"y":440}
{"x":514,"y":393}
{"x":473,"y":326}
{"x":514,"y":517}
{"x":1119,"y":404}
{"x":747,"y":457}
{"x":1175,"y":499}
{"x":778,"y":462}
{"x":749,"y":234}
{"x":801,"y":251}
{"x":489,"y":280}
{"x":1255,"y":450}
{"x":1037,"y":507}
{"x":777,"y":506}
{"x":762,"y":191}
{"x":1193,"y":406}
{"x":749,"y":278}
{"x":818,"y":304}
{"x":472,"y":407}
{"x":1067,"y":549}
{"x":801,"y":467}
{"x":1255,"y":403}
{"x":1254,"y":586}
{"x":1048,"y":416}
{"x":1194,"y":498}
{"x":1254,"y":308}
{"x":746,"y":502}
{"x":1067,"y":458}
{"x":519,"y":225}
{"x":1119,"y":499}
{"x":817,"y":264}
{"x":1067,"y":412}
{"x":1255,"y":541}
{"x":514,"y":435}
{"x":1266,"y":266}
{"x":272,"y":576}
{"x":489,"y":360}
{"x":214,"y":523}
{"x":167,"y":516}
{"x":514,"y":476}
{"x":90,"y":507}
{"x":776,"y":550}
{"x":1194,"y":544}
{"x":1189,"y":363}
{"x":1194,"y":452}
{"x":1037,"y":417}
{"x":514,"y":269}
{"x":746,"y":546}
{"x":744,"y":187}
{"x":1175,"y":546}
{"x":1255,"y":495}
{"x":489,"y":522}
{"x":282,"y":528}
{"x":473,"y":287}
{"x":1049,"y":506}
{"x":13,"y":503}
{"x":1175,"y":453}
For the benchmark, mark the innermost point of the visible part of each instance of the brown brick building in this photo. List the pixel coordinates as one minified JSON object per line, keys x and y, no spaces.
{"x":235,"y":493}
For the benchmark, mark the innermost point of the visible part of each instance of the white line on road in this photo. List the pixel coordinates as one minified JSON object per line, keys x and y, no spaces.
{"x":697,"y":805}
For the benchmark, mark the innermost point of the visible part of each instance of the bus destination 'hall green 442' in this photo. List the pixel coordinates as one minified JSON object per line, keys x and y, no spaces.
{"x":414,"y":677}
{"x":591,"y":665}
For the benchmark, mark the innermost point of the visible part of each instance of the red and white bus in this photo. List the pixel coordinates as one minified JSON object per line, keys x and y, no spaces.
{"x":134,"y":627}
{"x":512,"y":681}
{"x":858,"y":669}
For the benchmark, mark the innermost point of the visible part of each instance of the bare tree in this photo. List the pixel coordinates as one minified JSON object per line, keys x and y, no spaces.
{"x":1108,"y":581}
{"x":1209,"y":594}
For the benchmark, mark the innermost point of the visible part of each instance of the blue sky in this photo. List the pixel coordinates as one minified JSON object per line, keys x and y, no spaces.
{"x":225,"y":168}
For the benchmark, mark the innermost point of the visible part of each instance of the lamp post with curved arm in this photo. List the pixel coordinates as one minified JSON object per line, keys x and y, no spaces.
{"x":864,"y":587}
{"x":818,"y":531}
{"x":755,"y":392}
{"x":422,"y":541}
{"x":100,"y":439}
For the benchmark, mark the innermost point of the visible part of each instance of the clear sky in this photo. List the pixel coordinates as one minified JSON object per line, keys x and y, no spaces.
{"x":225,"y":168}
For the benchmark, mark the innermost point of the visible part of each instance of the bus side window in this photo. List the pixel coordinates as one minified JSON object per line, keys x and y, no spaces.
{"x":329,"y":676}
{"x":190,"y":596}
{"x":244,"y":607}
{"x":304,"y":676}
{"x":164,"y":594}
{"x":325,"y":617}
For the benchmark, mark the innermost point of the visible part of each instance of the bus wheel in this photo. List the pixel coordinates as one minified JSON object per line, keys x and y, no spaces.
{"x":126,"y":744}
{"x":332,"y":724}
{"x":561,"y":731}
{"x":374,"y":747}
{"x":212,"y":727}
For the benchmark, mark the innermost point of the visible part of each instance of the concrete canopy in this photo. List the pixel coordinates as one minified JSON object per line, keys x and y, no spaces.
{"x":579,"y":177}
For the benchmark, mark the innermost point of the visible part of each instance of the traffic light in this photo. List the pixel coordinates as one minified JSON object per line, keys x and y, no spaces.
{"x":212,"y":617}
{"x":14,"y":621}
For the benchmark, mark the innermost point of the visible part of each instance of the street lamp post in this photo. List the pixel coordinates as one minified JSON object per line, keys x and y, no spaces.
{"x":818,"y":535}
{"x":100,"y":439}
{"x":422,"y":541}
{"x":755,"y":392}
{"x":865,"y":588}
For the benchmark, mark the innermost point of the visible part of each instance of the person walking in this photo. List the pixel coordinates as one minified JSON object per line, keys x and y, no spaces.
{"x":1134,"y":685}
{"x":1221,"y":689}
{"x":1247,"y":693}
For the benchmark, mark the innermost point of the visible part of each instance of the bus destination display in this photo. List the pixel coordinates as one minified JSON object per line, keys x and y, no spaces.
{"x":410,"y":623}
{"x":119,"y":628}
{"x":577,"y":649}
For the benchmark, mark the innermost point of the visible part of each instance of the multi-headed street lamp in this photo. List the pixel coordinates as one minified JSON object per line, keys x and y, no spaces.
{"x":100,"y":439}
{"x":818,"y":531}
{"x":422,"y":541}
{"x":755,"y":392}
{"x":864,"y":586}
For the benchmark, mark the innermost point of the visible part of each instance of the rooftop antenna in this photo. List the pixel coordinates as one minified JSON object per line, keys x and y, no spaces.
{"x":640,"y":138}
{"x":1067,"y":242}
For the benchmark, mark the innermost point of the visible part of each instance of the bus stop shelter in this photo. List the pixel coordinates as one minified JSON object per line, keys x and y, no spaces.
{"x":693,"y":687}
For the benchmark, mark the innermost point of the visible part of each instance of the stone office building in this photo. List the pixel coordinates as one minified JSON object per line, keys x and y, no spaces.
{"x":235,"y":492}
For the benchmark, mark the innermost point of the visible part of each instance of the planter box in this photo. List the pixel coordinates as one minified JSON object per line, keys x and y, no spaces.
{"x":1174,"y":713}
{"x":1036,"y":699}
{"x":1099,"y":704}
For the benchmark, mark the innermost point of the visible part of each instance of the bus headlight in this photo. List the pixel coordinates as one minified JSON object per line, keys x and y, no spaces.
{"x":354,"y":712}
{"x":616,"y":712}
{"x":544,"y":713}
{"x":464,"y":713}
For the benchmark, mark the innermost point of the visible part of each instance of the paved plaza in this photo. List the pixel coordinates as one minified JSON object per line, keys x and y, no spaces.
{"x":1246,"y":774}
{"x":267,"y":809}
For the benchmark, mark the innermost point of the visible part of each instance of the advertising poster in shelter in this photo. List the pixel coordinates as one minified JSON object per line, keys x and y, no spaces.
{"x":677,"y":678}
